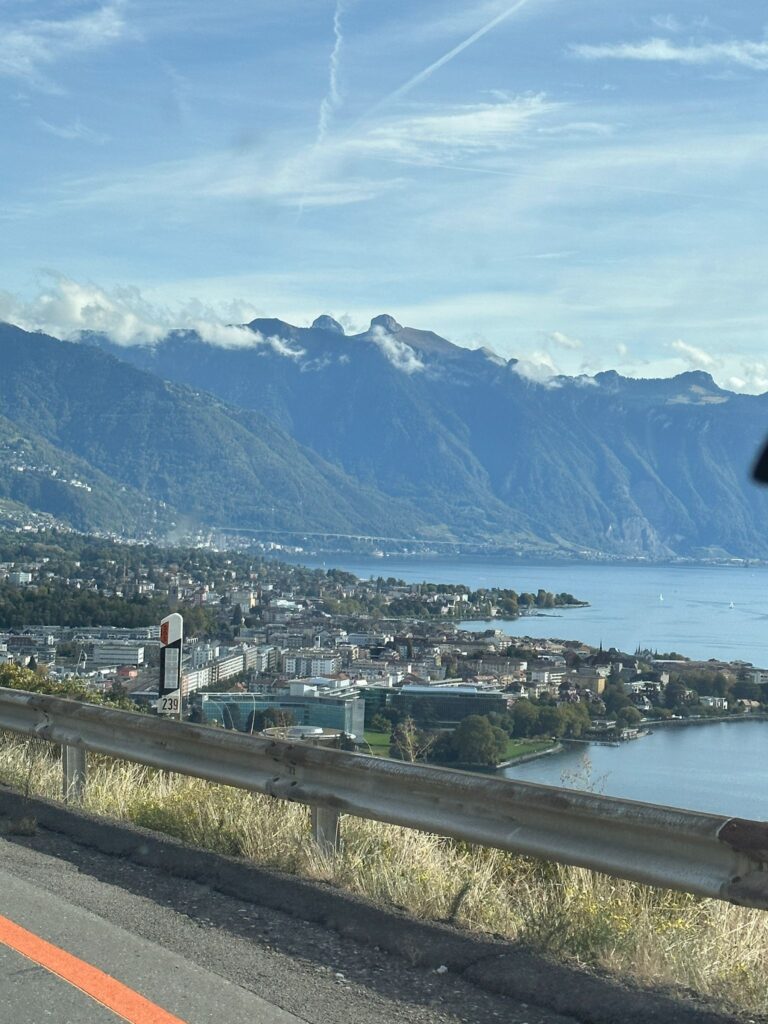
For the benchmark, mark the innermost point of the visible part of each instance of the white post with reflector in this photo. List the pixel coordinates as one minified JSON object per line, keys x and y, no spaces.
{"x":169,"y":692}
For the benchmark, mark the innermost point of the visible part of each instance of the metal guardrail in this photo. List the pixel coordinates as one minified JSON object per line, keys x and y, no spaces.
{"x":705,"y":854}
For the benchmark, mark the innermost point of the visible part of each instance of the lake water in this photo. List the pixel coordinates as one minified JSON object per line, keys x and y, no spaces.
{"x":664,"y":608}
{"x":719,"y":767}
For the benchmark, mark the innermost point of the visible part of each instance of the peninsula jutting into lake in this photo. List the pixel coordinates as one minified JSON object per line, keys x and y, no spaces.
{"x":444,"y":672}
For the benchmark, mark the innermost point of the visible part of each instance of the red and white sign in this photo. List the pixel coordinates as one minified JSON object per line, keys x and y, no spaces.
{"x":169,"y":690}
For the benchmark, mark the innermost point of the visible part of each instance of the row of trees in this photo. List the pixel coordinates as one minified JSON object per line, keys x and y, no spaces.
{"x":13,"y":677}
{"x":474,"y":741}
{"x":683,"y":691}
{"x":416,"y":604}
{"x":482,"y":739}
{"x":59,"y":605}
{"x":526,"y":719}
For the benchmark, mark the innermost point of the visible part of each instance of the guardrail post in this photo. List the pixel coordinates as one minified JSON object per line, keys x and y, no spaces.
{"x":325,"y":828}
{"x":74,"y":770}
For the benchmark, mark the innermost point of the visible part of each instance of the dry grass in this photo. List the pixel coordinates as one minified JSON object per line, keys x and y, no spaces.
{"x":654,"y":936}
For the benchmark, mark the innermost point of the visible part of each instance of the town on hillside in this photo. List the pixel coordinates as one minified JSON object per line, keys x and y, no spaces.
{"x":379,"y":666}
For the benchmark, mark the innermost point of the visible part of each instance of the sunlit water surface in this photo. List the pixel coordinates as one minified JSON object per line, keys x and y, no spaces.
{"x":702,"y":612}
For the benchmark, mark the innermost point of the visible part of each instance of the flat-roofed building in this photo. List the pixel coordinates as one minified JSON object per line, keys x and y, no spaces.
{"x":345,"y":712}
{"x":448,"y":703}
{"x":117,"y":652}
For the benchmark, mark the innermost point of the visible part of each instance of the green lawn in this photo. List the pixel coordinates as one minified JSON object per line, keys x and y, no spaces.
{"x":378,"y":742}
{"x":518,"y":748}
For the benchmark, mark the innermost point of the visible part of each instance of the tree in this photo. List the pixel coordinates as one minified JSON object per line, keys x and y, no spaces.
{"x":629,"y":717}
{"x":615,"y":699}
{"x":504,"y":721}
{"x":380,"y":724}
{"x":525,"y":718}
{"x":14,"y":677}
{"x":476,"y":741}
{"x":409,"y":743}
{"x":744,"y":689}
{"x":720,"y":685}
{"x":674,"y":694}
{"x":574,"y":719}
{"x":550,"y":721}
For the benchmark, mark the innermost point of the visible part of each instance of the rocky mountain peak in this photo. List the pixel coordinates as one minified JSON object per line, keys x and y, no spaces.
{"x":387,"y":322}
{"x":327,"y":323}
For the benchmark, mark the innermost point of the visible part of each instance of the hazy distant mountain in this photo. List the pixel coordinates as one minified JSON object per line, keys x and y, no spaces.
{"x":653,"y":467}
{"x":144,"y":452}
{"x":393,"y":432}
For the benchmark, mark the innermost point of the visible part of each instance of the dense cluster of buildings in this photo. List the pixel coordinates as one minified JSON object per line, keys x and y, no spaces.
{"x":282,"y":650}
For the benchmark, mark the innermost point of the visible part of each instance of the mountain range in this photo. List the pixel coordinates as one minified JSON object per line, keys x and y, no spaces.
{"x":390,"y":432}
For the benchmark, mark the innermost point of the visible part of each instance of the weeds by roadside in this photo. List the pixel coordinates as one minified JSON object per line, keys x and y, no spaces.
{"x":654,"y":936}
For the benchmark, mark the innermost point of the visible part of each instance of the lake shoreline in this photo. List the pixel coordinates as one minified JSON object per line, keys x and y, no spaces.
{"x":556,"y":748}
{"x":719,"y":770}
{"x":751,"y":717}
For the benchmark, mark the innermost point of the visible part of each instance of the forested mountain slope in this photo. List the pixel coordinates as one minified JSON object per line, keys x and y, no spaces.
{"x":636,"y":467}
{"x":127,"y":434}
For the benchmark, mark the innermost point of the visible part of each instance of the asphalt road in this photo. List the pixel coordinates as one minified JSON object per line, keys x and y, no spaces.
{"x":201,"y":956}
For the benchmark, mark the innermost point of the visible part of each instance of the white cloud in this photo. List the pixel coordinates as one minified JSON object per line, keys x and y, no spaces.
{"x":563,"y":341}
{"x":313,"y":178}
{"x":745,"y":53}
{"x":467,"y":128}
{"x":30,"y":48}
{"x":350,"y":324}
{"x":538,"y":367}
{"x":67,"y":308}
{"x":332,"y":100}
{"x":235,"y":336}
{"x":76,"y":131}
{"x":622,"y":350}
{"x":401,"y":356}
{"x":695,"y":357}
{"x":753,"y":378}
{"x":578,"y":129}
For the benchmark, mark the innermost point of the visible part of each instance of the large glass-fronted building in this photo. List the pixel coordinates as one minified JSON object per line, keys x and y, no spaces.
{"x":345,"y":712}
{"x":448,"y":704}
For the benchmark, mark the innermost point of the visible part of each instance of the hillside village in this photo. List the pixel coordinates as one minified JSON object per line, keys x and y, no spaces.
{"x":393,"y":667}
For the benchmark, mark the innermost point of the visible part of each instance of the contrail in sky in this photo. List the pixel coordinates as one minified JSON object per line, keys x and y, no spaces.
{"x":332,"y":99}
{"x":422,"y":76}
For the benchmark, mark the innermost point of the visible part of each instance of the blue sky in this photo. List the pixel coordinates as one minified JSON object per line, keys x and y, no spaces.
{"x":580,"y":185}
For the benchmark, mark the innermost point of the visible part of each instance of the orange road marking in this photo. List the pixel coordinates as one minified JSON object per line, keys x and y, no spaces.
{"x":94,"y":983}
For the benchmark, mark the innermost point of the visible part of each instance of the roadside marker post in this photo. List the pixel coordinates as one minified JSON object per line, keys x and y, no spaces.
{"x":169,"y":691}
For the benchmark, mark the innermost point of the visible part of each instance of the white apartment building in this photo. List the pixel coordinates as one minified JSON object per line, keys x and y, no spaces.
{"x":195,"y":680}
{"x":311,"y":662}
{"x":117,"y":652}
{"x":227,"y":666}
{"x":202,"y":654}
